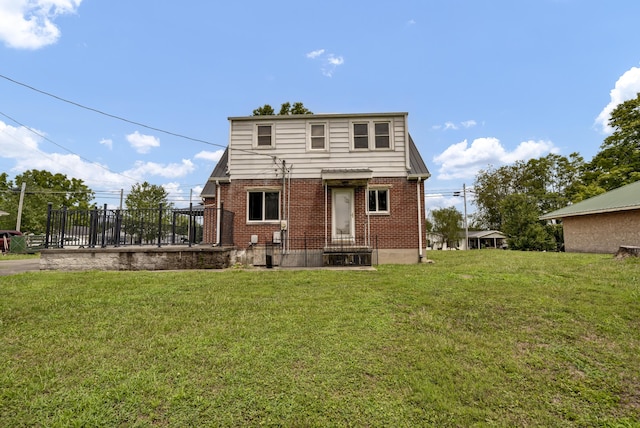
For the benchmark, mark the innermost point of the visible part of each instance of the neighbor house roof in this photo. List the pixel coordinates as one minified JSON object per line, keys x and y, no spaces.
{"x":486,"y":234}
{"x":621,"y":199}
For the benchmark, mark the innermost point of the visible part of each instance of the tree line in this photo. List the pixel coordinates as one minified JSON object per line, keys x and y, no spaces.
{"x":511,"y":198}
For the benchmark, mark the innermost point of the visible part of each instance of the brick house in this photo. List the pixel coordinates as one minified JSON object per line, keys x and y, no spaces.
{"x":601,"y":224}
{"x":349,"y":188}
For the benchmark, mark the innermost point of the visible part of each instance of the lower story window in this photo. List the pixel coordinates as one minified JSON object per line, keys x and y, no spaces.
{"x":379,"y":201}
{"x":264,"y":206}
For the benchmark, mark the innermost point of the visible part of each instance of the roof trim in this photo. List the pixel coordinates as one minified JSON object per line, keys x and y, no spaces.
{"x":418,"y":169}
{"x":271,"y":118}
{"x":551,"y":215}
{"x":623,"y":198}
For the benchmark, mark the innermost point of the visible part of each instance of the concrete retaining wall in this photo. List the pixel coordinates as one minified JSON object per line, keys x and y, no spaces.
{"x":137,"y":258}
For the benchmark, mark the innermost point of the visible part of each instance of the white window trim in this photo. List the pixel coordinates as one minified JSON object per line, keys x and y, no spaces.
{"x":371,"y":135}
{"x":376,"y":189}
{"x":273,"y":135}
{"x":326,"y":137}
{"x":352,"y":136}
{"x":264,"y":190}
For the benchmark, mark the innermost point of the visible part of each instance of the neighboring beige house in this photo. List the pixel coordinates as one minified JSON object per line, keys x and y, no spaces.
{"x":486,"y":239}
{"x":603,"y":223}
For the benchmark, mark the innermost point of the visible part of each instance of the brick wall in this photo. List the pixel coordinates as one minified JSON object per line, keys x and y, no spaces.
{"x":396,"y":230}
{"x":601,"y":233}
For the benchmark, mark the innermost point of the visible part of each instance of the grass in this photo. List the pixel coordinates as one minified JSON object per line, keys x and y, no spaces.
{"x":480,"y":338}
{"x":12,"y":256}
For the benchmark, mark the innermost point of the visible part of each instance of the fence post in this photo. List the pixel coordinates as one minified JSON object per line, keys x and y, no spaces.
{"x":173,"y":228}
{"x":221,"y":223}
{"x":191,"y":233}
{"x":48,"y":232}
{"x":92,"y":228}
{"x":117,"y":228}
{"x":160,"y":225}
{"x":63,"y":226}
{"x":104,"y":226}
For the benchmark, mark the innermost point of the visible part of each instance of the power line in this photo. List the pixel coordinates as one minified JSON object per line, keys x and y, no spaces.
{"x":64,"y":148}
{"x":123,"y":119}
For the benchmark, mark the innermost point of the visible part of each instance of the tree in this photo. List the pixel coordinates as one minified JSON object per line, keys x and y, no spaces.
{"x":285,"y":110}
{"x":142,"y":218}
{"x":552,"y":181}
{"x":525,"y":232}
{"x":265,"y":110}
{"x":42,"y":187}
{"x":448,"y":223}
{"x":618,"y":162}
{"x":147,"y":196}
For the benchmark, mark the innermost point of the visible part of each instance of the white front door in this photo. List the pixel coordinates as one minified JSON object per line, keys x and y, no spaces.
{"x":342,"y":226}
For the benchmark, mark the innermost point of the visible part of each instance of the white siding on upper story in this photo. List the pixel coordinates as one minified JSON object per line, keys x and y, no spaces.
{"x":247,"y":161}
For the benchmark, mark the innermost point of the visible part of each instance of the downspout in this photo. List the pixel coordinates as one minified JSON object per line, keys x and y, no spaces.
{"x":284,"y":207}
{"x":366,"y":209}
{"x":289,"y":207}
{"x":420,"y":255}
{"x":218,"y":209}
{"x":325,"y":214}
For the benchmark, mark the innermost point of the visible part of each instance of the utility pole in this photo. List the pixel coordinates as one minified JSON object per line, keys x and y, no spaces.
{"x":19,"y":221}
{"x":466,"y":226}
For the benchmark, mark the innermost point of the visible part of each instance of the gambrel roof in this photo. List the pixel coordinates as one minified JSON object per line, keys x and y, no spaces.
{"x":621,"y":199}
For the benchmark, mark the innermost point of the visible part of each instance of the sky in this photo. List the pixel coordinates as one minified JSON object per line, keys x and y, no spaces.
{"x":120,"y":92}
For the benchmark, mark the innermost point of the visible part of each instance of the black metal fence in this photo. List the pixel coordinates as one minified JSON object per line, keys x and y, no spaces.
{"x":104,"y":227}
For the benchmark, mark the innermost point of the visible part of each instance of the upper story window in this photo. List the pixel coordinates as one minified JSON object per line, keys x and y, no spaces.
{"x":360,"y":135}
{"x":264,"y":135}
{"x":371,"y":135}
{"x":318,"y":136}
{"x":382,"y":135}
{"x":263,"y":206}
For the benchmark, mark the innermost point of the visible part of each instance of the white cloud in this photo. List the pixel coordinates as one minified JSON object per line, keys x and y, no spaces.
{"x":455,"y":126}
{"x":172,"y":170}
{"x":329,"y":61}
{"x":411,"y":22}
{"x":462,"y":160}
{"x":210,"y":156}
{"x":107,"y":142}
{"x":17,"y":142}
{"x":315,"y":54}
{"x":626,"y":88}
{"x":22,"y":146}
{"x":142,"y":143}
{"x":182,"y":197}
{"x":28,"y":24}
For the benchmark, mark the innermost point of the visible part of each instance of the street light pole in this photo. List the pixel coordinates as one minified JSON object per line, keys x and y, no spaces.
{"x":19,"y":221}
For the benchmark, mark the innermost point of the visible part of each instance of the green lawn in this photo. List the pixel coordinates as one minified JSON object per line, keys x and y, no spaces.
{"x":480,"y":338}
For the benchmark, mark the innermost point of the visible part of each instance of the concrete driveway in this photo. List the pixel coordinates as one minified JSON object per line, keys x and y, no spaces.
{"x":12,"y":267}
